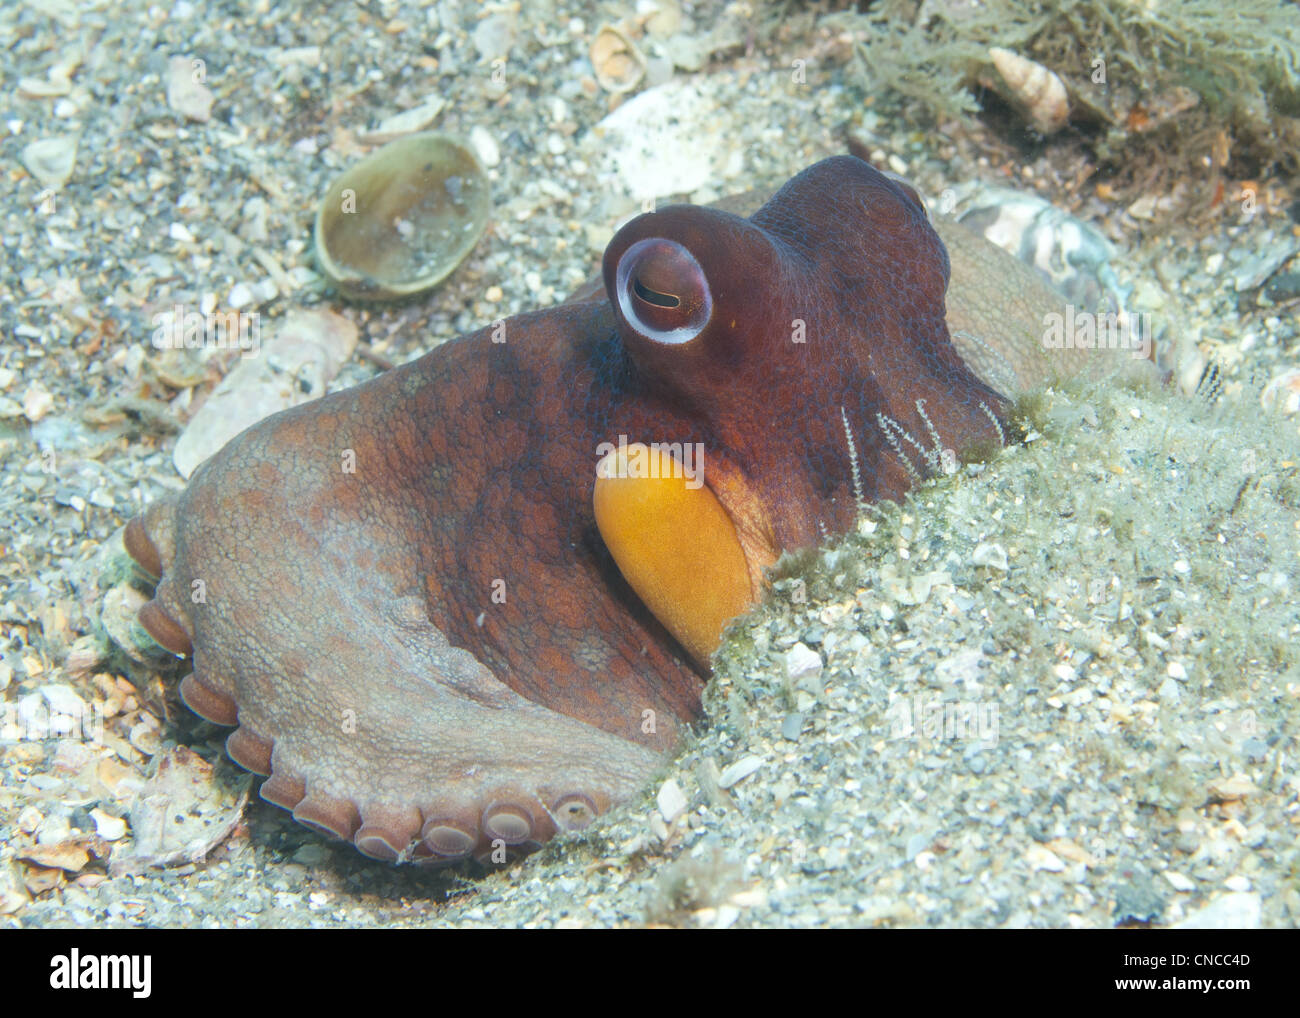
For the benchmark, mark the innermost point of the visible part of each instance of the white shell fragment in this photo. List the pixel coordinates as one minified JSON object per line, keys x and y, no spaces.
{"x":737,"y":772}
{"x":664,"y":141}
{"x":1069,"y":252}
{"x":671,"y":800}
{"x":618,"y":64}
{"x":181,"y":814}
{"x":1282,"y":394}
{"x":186,"y":93}
{"x":417,"y":118}
{"x":294,"y":367}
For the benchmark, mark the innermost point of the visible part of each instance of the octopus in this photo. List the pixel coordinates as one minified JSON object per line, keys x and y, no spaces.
{"x":470,"y":603}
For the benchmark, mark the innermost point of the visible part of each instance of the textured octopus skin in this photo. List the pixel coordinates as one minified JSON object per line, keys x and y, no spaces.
{"x":399,"y":596}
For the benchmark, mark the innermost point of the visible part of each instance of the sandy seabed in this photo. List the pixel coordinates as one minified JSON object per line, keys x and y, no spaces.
{"x":1058,"y":690}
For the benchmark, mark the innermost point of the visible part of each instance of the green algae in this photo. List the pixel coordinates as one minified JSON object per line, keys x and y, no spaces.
{"x":1241,"y":63}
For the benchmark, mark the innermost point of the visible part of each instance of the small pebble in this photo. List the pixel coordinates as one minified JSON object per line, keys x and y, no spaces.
{"x":107,"y":826}
{"x":37,"y":402}
{"x":801,"y":661}
{"x":485,"y":146}
{"x":54,"y":830}
{"x":45,"y":88}
{"x":1041,"y":858}
{"x":989,"y":555}
{"x":1233,"y":911}
{"x":1066,"y":673}
{"x":63,"y":700}
{"x":1239,"y":786}
{"x":312,"y":855}
{"x":240,"y":296}
{"x":1178,"y":881}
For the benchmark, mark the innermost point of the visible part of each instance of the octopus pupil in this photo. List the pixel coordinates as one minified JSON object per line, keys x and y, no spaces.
{"x":663,"y":300}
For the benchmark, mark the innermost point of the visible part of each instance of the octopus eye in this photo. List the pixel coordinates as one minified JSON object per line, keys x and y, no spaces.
{"x":662,"y":291}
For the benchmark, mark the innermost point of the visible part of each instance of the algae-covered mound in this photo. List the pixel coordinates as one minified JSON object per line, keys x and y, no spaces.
{"x":1055,"y":690}
{"x":1138,"y":69}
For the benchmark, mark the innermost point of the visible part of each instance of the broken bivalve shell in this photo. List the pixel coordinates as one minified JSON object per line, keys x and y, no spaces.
{"x":398,"y":222}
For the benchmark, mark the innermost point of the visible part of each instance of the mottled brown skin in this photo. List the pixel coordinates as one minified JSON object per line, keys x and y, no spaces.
{"x":348,"y":622}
